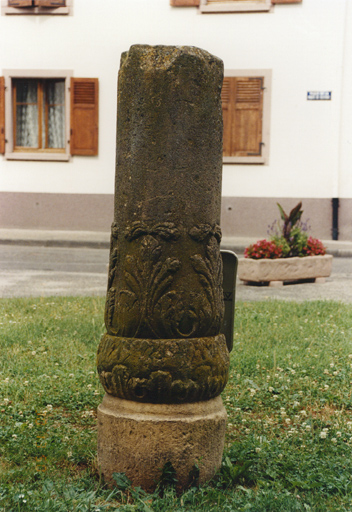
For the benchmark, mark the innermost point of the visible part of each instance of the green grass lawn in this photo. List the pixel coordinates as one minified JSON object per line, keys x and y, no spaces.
{"x":289,"y":434}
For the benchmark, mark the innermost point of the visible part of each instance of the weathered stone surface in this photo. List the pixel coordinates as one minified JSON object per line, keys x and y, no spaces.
{"x":165,"y":272}
{"x":284,"y":269}
{"x":139,"y":439}
{"x":163,"y":370}
{"x":165,"y":268}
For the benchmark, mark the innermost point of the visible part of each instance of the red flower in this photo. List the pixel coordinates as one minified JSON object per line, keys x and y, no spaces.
{"x":263,"y":249}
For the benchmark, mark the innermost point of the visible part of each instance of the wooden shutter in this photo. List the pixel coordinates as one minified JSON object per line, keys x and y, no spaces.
{"x":227,"y":107}
{"x":242,"y":103}
{"x":184,"y":3}
{"x":19,"y":3}
{"x":84,"y":116}
{"x":2,"y":115}
{"x":52,"y":3}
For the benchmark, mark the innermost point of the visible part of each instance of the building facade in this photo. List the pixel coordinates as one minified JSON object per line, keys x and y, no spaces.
{"x":286,"y":104}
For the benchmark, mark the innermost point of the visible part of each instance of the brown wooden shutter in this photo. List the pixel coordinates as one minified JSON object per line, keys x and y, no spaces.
{"x":52,"y":3}
{"x":19,"y":3}
{"x":84,"y":116}
{"x":2,"y":115}
{"x":242,"y":101}
{"x":227,"y":108}
{"x":184,"y":3}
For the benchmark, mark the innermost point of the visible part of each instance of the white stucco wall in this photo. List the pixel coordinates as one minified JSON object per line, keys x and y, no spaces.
{"x":306,"y":46}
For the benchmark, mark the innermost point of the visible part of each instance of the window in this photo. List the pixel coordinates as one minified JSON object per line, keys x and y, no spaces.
{"x":39,"y":114}
{"x":36,"y":7}
{"x":234,"y":5}
{"x":48,"y":115}
{"x":245,"y":98}
{"x":231,"y":5}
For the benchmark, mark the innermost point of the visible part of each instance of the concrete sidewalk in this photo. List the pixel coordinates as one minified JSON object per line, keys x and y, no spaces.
{"x":100,"y":240}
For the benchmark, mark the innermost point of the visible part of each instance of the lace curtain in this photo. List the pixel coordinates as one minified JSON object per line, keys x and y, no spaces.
{"x":55,"y":99}
{"x":52,"y":113}
{"x":27,"y":113}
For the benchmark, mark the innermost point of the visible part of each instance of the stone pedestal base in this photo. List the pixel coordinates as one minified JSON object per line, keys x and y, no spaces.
{"x":139,"y":439}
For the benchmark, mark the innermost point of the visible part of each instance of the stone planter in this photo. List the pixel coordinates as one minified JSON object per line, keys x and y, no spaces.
{"x":276,"y":272}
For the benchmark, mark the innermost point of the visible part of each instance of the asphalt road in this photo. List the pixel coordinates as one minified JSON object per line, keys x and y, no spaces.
{"x":48,"y":271}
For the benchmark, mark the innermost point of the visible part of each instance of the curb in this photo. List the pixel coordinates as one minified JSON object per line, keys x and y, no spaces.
{"x":101,"y":240}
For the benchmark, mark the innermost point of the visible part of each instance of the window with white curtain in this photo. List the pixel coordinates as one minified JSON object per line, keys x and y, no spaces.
{"x":39,"y":114}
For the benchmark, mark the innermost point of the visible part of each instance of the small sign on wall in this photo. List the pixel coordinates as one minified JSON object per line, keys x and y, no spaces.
{"x":319,"y":95}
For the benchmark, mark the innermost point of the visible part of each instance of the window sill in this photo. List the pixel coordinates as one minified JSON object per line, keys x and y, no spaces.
{"x":52,"y":157}
{"x":235,"y":6}
{"x":244,"y":160}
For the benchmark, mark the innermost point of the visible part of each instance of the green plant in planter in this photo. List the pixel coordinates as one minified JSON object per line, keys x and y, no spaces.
{"x":289,"y":239}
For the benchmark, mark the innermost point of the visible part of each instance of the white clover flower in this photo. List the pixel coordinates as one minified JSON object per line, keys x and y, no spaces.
{"x":339,"y":434}
{"x":6,"y":380}
{"x":6,"y":401}
{"x":323,"y":434}
{"x":26,"y":383}
{"x":271,"y":389}
{"x":49,"y":407}
{"x":14,"y":436}
{"x":334,"y":440}
{"x":96,"y":392}
{"x":247,"y":431}
{"x":280,"y":456}
{"x":335,"y":373}
{"x":326,"y":371}
{"x":326,"y":387}
{"x":258,"y":449}
{"x":89,"y":386}
{"x":71,"y":375}
{"x":308,"y":428}
{"x":288,"y":421}
{"x":30,"y":425}
{"x":69,"y":454}
{"x":332,"y":365}
{"x":303,"y":412}
{"x":34,"y":352}
{"x":296,"y":404}
{"x":349,"y":424}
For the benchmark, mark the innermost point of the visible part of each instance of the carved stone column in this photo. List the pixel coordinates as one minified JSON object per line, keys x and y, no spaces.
{"x":164,"y":308}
